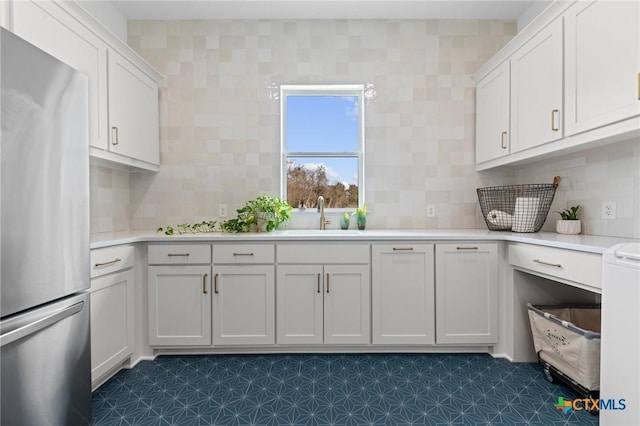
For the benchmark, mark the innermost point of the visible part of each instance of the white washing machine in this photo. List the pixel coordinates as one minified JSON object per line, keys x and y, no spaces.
{"x":620,"y":343}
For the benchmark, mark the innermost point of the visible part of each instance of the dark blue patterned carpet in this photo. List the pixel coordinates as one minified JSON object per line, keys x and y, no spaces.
{"x":333,"y":389}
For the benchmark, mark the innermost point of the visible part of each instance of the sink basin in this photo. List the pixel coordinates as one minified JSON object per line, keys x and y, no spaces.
{"x":318,"y":232}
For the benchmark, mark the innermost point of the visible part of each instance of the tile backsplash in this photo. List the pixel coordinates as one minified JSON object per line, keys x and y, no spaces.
{"x":220,"y":136}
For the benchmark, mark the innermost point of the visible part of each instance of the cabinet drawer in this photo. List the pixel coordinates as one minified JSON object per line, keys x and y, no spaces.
{"x":243,"y":253}
{"x":323,"y":253}
{"x":576,"y":266}
{"x":111,"y":259}
{"x":182,"y":254}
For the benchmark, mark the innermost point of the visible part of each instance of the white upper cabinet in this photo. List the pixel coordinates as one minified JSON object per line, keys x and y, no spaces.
{"x":492,"y":115}
{"x":602,"y":69}
{"x":574,"y":83}
{"x":133,"y":111}
{"x":50,"y":28}
{"x":123,"y":88}
{"x":536,"y":89}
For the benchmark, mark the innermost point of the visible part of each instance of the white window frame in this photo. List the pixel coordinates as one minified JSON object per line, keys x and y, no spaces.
{"x":323,"y":90}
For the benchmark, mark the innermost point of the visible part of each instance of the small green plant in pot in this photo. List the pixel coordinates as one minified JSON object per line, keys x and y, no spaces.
{"x":344,"y":222}
{"x":264,"y":213}
{"x":569,"y":222}
{"x":361,"y":217}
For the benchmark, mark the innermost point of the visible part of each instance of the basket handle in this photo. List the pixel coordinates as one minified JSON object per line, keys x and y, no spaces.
{"x":556,"y":180}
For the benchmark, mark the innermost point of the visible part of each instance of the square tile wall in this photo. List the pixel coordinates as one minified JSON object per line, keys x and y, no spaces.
{"x":109,"y":199}
{"x":608,"y":173}
{"x":220,"y":132}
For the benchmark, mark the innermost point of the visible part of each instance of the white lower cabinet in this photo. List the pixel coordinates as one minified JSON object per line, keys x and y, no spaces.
{"x":112,"y":301}
{"x":243,"y":294}
{"x":243,"y":305}
{"x":179,"y":298}
{"x":466,"y":293}
{"x":179,"y":305}
{"x":323,"y":294}
{"x":403,"y":293}
{"x":319,"y":304}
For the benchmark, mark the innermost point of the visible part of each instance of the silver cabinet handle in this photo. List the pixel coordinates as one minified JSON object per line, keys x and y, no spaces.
{"x":503,"y":137}
{"x":115,"y":139}
{"x":204,"y":284}
{"x":327,"y":282}
{"x":467,"y":248}
{"x":554,"y":125}
{"x":319,"y":290}
{"x":40,"y":324}
{"x":555,"y":265}
{"x":215,"y":284}
{"x":178,"y":254}
{"x":111,"y":262}
{"x":243,"y":254}
{"x":402,"y":248}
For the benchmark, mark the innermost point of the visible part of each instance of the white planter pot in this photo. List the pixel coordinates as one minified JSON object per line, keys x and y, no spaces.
{"x":570,"y":227}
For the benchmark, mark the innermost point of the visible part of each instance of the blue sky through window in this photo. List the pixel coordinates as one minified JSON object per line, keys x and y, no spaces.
{"x":324,"y":124}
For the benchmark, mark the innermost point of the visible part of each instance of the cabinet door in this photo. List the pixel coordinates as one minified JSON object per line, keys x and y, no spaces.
{"x":536,"y":89}
{"x":300,"y":304}
{"x":244,"y":305}
{"x":6,"y":14}
{"x":133,"y":111}
{"x":49,"y":27}
{"x":466,"y":293}
{"x":403,"y":294}
{"x":179,"y":305}
{"x":602,"y":68}
{"x":112,"y":321}
{"x":492,"y":115}
{"x":347,"y":304}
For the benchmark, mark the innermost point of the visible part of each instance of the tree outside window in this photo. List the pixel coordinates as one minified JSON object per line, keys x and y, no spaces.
{"x":323,"y":145}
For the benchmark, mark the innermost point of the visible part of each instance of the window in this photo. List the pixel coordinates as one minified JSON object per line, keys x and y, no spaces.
{"x":322,"y":131}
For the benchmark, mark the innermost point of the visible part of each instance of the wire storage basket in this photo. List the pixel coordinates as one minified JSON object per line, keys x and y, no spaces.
{"x":517,"y":208}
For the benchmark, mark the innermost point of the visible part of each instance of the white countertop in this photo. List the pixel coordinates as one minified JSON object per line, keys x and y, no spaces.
{"x":586,"y":243}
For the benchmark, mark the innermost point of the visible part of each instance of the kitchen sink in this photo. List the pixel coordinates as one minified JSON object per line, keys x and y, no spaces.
{"x":319,"y":232}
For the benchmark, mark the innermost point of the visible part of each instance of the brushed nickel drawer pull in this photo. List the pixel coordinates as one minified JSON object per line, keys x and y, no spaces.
{"x":111,"y":262}
{"x":327,"y":282}
{"x":403,"y":249}
{"x":204,"y":284}
{"x":243,"y":254}
{"x":178,"y":254}
{"x":215,"y":284}
{"x":319,"y":290}
{"x":555,"y":265}
{"x":503,"y":137}
{"x":467,"y":248}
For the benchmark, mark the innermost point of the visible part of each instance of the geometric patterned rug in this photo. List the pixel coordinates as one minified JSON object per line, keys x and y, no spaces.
{"x":333,"y":389}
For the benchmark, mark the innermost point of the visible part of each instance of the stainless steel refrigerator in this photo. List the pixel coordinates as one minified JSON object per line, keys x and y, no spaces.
{"x":45,"y":365}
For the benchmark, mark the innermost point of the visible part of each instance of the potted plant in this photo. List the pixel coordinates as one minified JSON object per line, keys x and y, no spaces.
{"x":265,"y":213}
{"x":344,"y":222}
{"x":569,"y":224}
{"x":361,"y":217}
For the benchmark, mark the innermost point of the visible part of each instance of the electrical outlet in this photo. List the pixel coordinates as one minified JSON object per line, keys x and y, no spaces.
{"x":431,"y":210}
{"x":609,"y":210}
{"x":222,"y":210}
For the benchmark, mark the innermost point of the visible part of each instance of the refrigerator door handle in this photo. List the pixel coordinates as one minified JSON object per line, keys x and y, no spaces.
{"x":35,"y":326}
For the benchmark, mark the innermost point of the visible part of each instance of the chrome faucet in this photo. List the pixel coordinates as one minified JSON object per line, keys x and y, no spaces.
{"x":323,"y":219}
